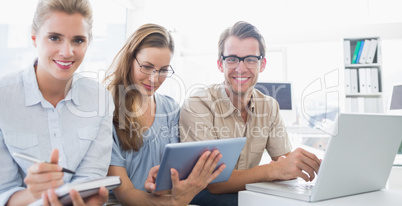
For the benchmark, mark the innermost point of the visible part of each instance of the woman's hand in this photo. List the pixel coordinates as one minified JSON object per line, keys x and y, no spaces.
{"x":50,"y":198}
{"x":202,"y":174}
{"x":150,"y":185}
{"x":44,"y":176}
{"x":183,"y":191}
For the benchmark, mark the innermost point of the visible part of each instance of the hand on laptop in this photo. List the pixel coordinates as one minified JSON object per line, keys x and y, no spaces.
{"x":298,"y":163}
{"x":202,"y":174}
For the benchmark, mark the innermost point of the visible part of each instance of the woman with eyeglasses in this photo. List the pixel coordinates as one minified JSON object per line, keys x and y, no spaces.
{"x":145,"y":121}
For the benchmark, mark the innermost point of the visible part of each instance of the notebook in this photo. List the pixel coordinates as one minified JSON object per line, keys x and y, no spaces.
{"x":85,"y":188}
{"x":184,"y":156}
{"x":359,"y":159}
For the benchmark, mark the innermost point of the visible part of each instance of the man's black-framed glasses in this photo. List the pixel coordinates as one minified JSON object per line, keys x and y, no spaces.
{"x":166,"y":71}
{"x":232,"y":61}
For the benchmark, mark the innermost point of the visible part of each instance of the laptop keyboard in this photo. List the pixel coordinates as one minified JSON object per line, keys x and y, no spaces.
{"x":303,"y":187}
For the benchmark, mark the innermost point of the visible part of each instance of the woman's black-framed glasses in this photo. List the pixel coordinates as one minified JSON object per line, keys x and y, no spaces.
{"x":166,"y":71}
{"x":232,"y":61}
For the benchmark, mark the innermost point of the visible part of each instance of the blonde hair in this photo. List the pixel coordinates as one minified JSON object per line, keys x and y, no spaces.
{"x":148,"y":35}
{"x":45,"y":8}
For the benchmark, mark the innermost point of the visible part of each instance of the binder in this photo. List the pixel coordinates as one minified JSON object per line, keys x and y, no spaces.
{"x":356,"y":52}
{"x":371,"y":105}
{"x":354,"y":104}
{"x":348,"y":89}
{"x":346,"y":52}
{"x":360,"y":51}
{"x":353,"y":81}
{"x":360,"y":104}
{"x":374,"y":80}
{"x":348,"y":104}
{"x":362,"y":81}
{"x":368,"y":80}
{"x":366,"y":47}
{"x":371,"y":51}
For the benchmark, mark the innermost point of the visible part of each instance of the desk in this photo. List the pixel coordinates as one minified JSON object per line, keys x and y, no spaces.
{"x":391,"y":195}
{"x":379,"y":198}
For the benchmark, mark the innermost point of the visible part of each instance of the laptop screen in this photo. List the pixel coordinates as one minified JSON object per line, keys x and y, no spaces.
{"x":396,"y":105}
{"x":396,"y":101}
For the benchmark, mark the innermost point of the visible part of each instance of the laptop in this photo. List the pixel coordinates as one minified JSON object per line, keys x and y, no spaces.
{"x":184,"y":156}
{"x":395,"y":107}
{"x":358,"y":159}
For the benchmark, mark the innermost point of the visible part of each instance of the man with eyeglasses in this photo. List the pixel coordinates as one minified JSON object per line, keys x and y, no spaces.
{"x":235,"y":108}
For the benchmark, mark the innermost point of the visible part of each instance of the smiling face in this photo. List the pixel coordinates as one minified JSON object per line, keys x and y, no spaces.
{"x":241,"y":79}
{"x":62,"y":41}
{"x":150,"y":57}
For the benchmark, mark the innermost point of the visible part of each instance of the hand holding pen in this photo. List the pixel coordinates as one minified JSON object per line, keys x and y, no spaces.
{"x":32,"y":159}
{"x":43,"y":176}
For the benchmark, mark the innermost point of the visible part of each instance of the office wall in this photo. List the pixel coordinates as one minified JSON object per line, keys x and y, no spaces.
{"x":309,"y":32}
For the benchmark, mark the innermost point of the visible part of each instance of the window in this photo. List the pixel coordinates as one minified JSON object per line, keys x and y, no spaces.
{"x":17,"y":51}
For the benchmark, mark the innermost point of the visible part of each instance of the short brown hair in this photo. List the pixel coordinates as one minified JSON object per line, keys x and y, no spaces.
{"x":241,"y":30}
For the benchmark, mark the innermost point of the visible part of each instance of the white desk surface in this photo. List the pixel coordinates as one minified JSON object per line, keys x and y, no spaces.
{"x":392,"y":195}
{"x":379,"y":198}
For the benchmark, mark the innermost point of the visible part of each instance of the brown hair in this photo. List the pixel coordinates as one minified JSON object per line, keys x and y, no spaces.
{"x":45,"y":8}
{"x":127,"y":99}
{"x":241,"y":30}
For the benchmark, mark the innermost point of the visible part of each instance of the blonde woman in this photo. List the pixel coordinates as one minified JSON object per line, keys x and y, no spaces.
{"x":145,"y":121}
{"x":49,"y":113}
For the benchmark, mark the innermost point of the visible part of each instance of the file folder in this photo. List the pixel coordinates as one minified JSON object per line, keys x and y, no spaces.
{"x":356,"y":52}
{"x":371,"y":52}
{"x":366,"y":47}
{"x":360,"y":52}
{"x":353,"y":81}
{"x":348,"y":89}
{"x":374,"y":80}
{"x":346,"y":52}
{"x":368,"y":80}
{"x":362,"y":81}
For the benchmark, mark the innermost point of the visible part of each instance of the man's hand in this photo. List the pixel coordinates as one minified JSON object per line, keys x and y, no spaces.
{"x":298,"y":163}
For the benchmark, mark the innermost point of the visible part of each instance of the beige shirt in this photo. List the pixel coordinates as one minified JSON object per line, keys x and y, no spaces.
{"x":209,"y":114}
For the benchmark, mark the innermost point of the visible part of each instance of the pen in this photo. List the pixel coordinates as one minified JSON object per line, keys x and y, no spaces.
{"x":29,"y":158}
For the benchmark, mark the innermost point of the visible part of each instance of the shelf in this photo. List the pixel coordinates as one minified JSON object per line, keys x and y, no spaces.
{"x":363,"y":77}
{"x":362,"y":65}
{"x":364,"y":95}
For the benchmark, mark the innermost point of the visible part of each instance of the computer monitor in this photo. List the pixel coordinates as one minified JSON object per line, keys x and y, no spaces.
{"x":283,"y":93}
{"x":395,"y":107}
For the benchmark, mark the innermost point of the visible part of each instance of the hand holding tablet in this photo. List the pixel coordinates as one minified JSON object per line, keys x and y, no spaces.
{"x":183,"y":158}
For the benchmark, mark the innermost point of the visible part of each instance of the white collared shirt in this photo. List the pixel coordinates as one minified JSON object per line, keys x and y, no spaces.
{"x":80,"y":127}
{"x":209,"y":114}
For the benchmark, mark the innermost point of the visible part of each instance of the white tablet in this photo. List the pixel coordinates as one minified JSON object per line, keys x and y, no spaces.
{"x":184,"y":156}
